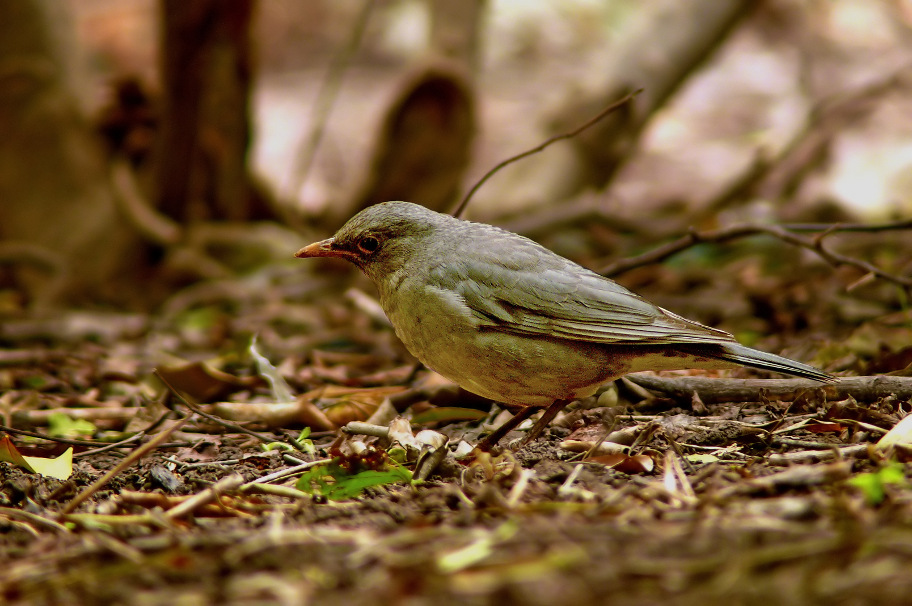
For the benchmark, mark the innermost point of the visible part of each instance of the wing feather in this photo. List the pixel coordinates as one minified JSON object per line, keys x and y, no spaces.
{"x":538,"y":293}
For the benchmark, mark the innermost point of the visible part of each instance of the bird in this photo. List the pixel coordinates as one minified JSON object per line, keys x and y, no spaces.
{"x":508,"y":319}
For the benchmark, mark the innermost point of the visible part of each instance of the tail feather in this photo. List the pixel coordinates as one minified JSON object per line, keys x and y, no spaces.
{"x":739,"y":354}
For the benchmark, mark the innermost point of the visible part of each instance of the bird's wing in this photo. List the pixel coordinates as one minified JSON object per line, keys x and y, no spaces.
{"x":554,"y":297}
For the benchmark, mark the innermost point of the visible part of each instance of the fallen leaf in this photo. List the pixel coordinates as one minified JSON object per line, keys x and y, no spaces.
{"x":60,"y":468}
{"x":202,"y":383}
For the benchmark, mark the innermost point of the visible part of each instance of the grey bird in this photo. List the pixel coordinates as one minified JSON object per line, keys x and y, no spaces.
{"x":510,"y":320}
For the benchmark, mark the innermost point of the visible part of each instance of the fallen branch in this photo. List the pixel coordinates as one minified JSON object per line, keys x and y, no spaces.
{"x":265,"y":439}
{"x":714,"y":391}
{"x":815,"y":456}
{"x":796,"y":478}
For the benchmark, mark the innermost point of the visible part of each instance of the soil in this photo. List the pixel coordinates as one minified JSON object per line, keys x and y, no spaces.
{"x":706,"y":503}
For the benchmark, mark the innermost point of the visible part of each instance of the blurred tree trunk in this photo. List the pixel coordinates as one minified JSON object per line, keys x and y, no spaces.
{"x":201,"y":162}
{"x":669,"y":40}
{"x":424,"y":145}
{"x":57,"y":211}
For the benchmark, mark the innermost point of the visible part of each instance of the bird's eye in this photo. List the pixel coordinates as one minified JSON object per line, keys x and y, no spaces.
{"x":368,"y":244}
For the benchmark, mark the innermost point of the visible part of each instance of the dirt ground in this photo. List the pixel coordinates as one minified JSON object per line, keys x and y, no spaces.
{"x":778,"y":497}
{"x":195,"y":480}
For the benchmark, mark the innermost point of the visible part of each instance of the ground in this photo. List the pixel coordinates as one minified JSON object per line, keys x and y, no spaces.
{"x":779,"y":497}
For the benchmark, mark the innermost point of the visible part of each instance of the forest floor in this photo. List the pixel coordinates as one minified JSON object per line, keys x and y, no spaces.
{"x":782,"y":496}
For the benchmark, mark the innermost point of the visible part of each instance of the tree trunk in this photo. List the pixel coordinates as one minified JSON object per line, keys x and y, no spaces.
{"x":201,"y":163}
{"x":57,"y":211}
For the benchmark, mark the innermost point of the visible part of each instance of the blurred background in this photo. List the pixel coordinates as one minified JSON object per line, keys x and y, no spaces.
{"x":148,"y":145}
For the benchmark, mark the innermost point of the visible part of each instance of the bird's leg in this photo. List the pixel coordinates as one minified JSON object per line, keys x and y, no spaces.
{"x":545,"y":420}
{"x":497,"y":435}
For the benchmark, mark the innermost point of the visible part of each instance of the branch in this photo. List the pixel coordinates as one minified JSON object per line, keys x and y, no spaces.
{"x":782,"y":232}
{"x":326,"y":97}
{"x":713,"y":391}
{"x":605,"y":112}
{"x":775,"y":177}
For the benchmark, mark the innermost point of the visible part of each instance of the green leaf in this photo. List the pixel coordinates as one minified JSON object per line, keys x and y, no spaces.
{"x":336,"y":484}
{"x":354,"y":485}
{"x":62,"y":426}
{"x":873,"y":484}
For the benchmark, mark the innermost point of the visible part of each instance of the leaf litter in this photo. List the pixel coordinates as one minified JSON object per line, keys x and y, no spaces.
{"x":641,"y":494}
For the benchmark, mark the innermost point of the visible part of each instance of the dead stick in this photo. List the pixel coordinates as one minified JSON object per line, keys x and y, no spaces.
{"x":205,"y":497}
{"x":863,"y":389}
{"x":233,"y":426}
{"x":131,"y":458}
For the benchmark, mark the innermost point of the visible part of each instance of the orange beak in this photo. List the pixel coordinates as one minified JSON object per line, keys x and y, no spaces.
{"x":323,"y":248}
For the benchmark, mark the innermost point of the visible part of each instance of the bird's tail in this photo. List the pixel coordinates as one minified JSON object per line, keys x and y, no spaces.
{"x":739,"y":354}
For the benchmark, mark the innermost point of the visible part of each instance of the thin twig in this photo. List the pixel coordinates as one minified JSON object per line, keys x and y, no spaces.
{"x":67,"y":441}
{"x":605,"y":112}
{"x":126,"y":442}
{"x":131,"y":458}
{"x":226,"y":484}
{"x":781,"y":232}
{"x":326,"y":98}
{"x":232,"y":426}
{"x":835,"y":228}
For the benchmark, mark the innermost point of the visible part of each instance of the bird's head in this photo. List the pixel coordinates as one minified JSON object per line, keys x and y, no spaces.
{"x":381,"y":238}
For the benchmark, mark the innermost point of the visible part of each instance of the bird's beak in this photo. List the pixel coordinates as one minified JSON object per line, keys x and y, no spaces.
{"x":323,"y":248}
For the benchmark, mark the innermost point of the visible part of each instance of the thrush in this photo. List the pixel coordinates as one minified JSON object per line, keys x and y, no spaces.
{"x":510,"y":320}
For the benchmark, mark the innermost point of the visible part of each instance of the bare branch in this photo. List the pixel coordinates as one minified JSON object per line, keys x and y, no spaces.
{"x":329,"y":90}
{"x":781,"y":232}
{"x":605,"y":112}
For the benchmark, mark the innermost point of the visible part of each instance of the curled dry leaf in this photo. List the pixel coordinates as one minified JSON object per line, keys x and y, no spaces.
{"x":342,"y":405}
{"x":605,"y":448}
{"x":202,"y":383}
{"x":274,"y":414}
{"x":900,"y":434}
{"x":628,"y":464}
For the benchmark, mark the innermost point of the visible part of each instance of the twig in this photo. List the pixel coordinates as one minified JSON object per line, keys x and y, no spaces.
{"x":741,"y":231}
{"x":326,"y":97}
{"x":20,"y":357}
{"x":290,"y":471}
{"x":797,"y":477}
{"x":233,"y":426}
{"x":605,"y":112}
{"x":131,"y":458}
{"x":39,"y":417}
{"x":134,"y":438}
{"x":68,"y":442}
{"x":835,"y":228}
{"x":814,"y":456}
{"x":33,"y":518}
{"x":205,"y":497}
